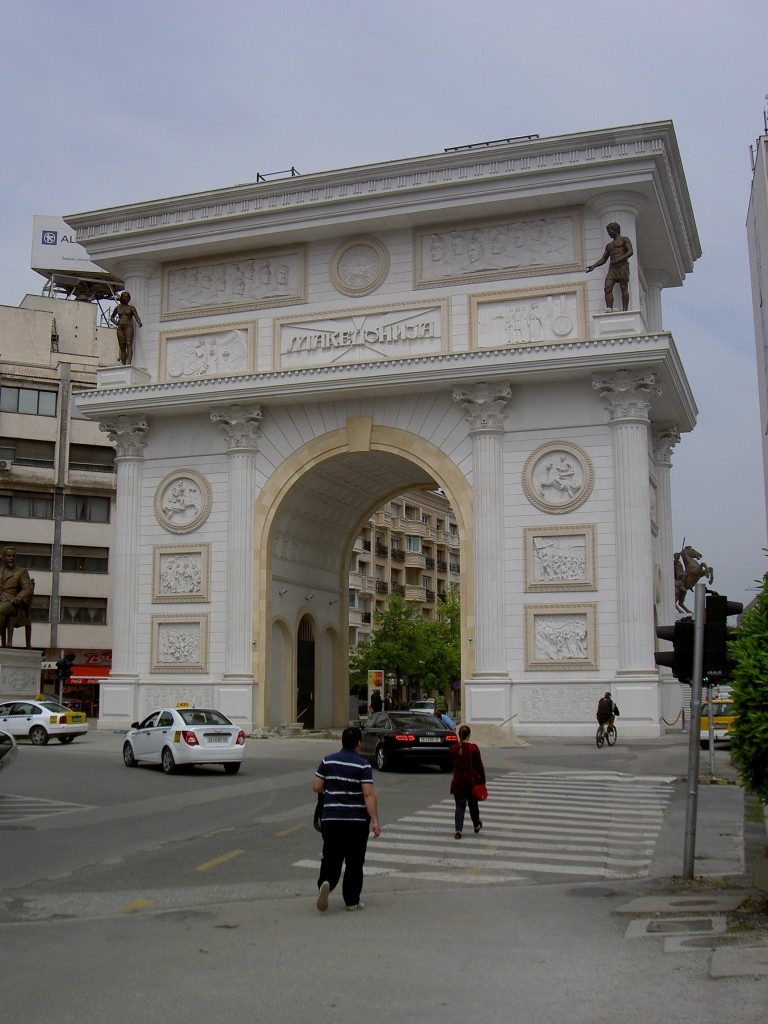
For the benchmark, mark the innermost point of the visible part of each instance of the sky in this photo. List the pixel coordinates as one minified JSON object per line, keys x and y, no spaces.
{"x":106,"y":103}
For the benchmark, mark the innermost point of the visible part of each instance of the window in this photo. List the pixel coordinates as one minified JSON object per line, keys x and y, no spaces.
{"x":353,"y":599}
{"x":83,"y":508}
{"x":83,"y":611}
{"x":31,"y":556}
{"x":40,"y":610}
{"x":74,"y":411}
{"x":92,"y":458}
{"x":413,"y":544}
{"x":29,"y":401}
{"x":26,"y":452}
{"x":26,"y":506}
{"x":83,"y":559}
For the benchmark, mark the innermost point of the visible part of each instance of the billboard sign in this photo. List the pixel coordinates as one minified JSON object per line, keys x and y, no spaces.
{"x":54,"y":249}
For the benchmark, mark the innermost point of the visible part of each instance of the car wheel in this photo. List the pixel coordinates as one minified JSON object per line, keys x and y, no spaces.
{"x":167,"y":761}
{"x":38,"y":735}
{"x":382,"y":760}
{"x":129,"y":758}
{"x":232,"y":767}
{"x":65,"y":739}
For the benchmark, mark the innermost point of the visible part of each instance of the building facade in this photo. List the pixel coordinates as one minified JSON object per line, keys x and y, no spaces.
{"x":314,"y":347}
{"x":757,"y":241}
{"x":57,"y":482}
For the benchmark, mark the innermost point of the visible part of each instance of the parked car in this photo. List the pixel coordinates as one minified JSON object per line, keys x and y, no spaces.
{"x":7,"y":749}
{"x":38,"y":720}
{"x":183,"y":736}
{"x":423,"y":705}
{"x":722,"y":720}
{"x":408,"y":737}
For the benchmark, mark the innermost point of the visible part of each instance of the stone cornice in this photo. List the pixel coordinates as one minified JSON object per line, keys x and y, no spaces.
{"x":639,"y":157}
{"x":656,"y":353}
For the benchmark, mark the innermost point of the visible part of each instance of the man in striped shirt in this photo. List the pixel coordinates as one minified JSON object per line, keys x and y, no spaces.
{"x":349,"y":810}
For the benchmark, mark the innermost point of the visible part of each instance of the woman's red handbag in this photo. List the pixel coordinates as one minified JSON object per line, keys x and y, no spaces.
{"x":479,"y":792}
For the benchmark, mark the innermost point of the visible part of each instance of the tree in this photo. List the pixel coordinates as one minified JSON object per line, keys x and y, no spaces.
{"x":749,"y":685}
{"x":404,"y":644}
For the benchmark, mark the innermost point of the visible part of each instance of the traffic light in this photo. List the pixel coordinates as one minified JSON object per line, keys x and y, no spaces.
{"x":680,"y":660}
{"x":718,"y":662}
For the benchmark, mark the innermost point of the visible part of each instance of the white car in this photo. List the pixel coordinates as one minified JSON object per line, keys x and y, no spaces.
{"x":38,"y":720}
{"x":185,"y":735}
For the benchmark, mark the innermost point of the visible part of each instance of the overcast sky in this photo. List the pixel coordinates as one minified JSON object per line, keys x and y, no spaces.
{"x":105,"y":103}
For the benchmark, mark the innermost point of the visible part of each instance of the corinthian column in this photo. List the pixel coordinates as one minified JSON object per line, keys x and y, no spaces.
{"x":665,"y":437}
{"x":629,"y":397}
{"x":484,"y":405}
{"x":129,"y":438}
{"x":242,"y":428}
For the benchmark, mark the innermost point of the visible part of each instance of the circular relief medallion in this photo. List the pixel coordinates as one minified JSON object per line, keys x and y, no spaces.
{"x":558,"y":477}
{"x":359,"y":266}
{"x":183,"y":501}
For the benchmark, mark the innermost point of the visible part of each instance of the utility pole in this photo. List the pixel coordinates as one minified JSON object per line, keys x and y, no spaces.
{"x":689,"y":854}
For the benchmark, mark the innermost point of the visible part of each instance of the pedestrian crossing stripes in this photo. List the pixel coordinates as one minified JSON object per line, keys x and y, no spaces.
{"x":537,"y":826}
{"x":23,"y":808}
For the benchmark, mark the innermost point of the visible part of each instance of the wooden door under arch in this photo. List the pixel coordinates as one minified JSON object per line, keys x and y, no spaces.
{"x":305,"y":673}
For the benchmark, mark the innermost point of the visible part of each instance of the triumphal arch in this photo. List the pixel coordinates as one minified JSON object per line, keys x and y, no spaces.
{"x":313,"y":345}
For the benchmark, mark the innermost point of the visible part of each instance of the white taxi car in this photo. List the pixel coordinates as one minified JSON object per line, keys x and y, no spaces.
{"x":39,"y":719}
{"x":185,"y":735}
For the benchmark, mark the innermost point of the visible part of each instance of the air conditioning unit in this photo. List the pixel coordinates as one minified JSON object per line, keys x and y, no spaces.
{"x":5,"y":466}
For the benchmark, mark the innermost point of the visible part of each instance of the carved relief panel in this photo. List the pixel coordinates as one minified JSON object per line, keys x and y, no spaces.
{"x":361,"y":336}
{"x":179,"y":643}
{"x":527,"y":317}
{"x":560,"y":558}
{"x":523,"y":247}
{"x":560,"y":637}
{"x":219,"y":350}
{"x":359,"y":266}
{"x":558,"y":477}
{"x":183,"y":501}
{"x":180,"y":573}
{"x":271,"y":277}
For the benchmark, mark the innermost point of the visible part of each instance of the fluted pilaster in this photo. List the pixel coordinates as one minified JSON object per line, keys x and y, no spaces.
{"x":128,"y":435}
{"x":485,"y":410}
{"x":241,"y":426}
{"x":629,"y":397}
{"x":665,"y":437}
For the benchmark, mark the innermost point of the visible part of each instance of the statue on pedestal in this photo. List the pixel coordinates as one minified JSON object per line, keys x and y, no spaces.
{"x":16,"y":590}
{"x":618,"y":251}
{"x":123,"y":315}
{"x":688,"y":571}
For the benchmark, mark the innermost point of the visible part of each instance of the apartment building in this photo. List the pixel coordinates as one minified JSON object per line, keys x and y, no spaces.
{"x":410,"y":547}
{"x":57,"y":482}
{"x":757,"y":242}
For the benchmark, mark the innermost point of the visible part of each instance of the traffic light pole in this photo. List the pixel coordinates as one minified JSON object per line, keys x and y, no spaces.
{"x":699,"y":609}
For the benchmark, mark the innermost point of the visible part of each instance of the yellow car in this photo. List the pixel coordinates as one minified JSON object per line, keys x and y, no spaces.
{"x":722,"y":720}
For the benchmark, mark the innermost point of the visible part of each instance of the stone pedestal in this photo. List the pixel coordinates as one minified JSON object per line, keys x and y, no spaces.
{"x":19,"y":672}
{"x":119,"y":376}
{"x":619,"y":324}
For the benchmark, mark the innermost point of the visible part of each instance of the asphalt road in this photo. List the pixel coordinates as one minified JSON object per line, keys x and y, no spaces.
{"x":130,"y":894}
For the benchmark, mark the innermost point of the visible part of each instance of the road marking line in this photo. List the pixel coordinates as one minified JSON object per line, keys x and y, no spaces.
{"x":293,"y":828}
{"x":136,"y":905}
{"x":219,"y":860}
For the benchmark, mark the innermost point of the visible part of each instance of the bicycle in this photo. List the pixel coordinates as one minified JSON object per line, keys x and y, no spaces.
{"x":605,"y":734}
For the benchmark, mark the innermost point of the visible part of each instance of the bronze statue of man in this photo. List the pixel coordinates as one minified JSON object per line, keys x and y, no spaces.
{"x":618,"y":251}
{"x":16,"y":590}
{"x":123,"y":315}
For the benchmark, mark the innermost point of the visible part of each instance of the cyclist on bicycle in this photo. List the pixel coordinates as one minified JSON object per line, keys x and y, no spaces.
{"x":606,"y":711}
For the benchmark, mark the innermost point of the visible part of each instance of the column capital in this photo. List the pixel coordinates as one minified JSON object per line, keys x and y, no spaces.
{"x":484,"y":405}
{"x":611,"y":203}
{"x":127,"y":435}
{"x":664,"y":437}
{"x":629,"y":396}
{"x":135,"y":268}
{"x":241,"y":425}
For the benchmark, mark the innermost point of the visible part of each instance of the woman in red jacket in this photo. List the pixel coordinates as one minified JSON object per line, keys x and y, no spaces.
{"x":468,"y":771}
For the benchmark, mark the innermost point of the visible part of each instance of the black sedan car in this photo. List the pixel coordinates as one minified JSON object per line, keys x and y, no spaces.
{"x":407,"y":737}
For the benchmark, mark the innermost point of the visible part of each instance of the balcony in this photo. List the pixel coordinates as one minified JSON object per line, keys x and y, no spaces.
{"x":415,"y":558}
{"x":355,"y":617}
{"x":382,"y":550}
{"x":367,"y":584}
{"x":429,"y":563}
{"x":398,"y":588}
{"x":414,"y":593}
{"x":382,"y":587}
{"x":442,"y":567}
{"x":383,"y":519}
{"x":366,"y":616}
{"x":398,"y":555}
{"x":430,"y":597}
